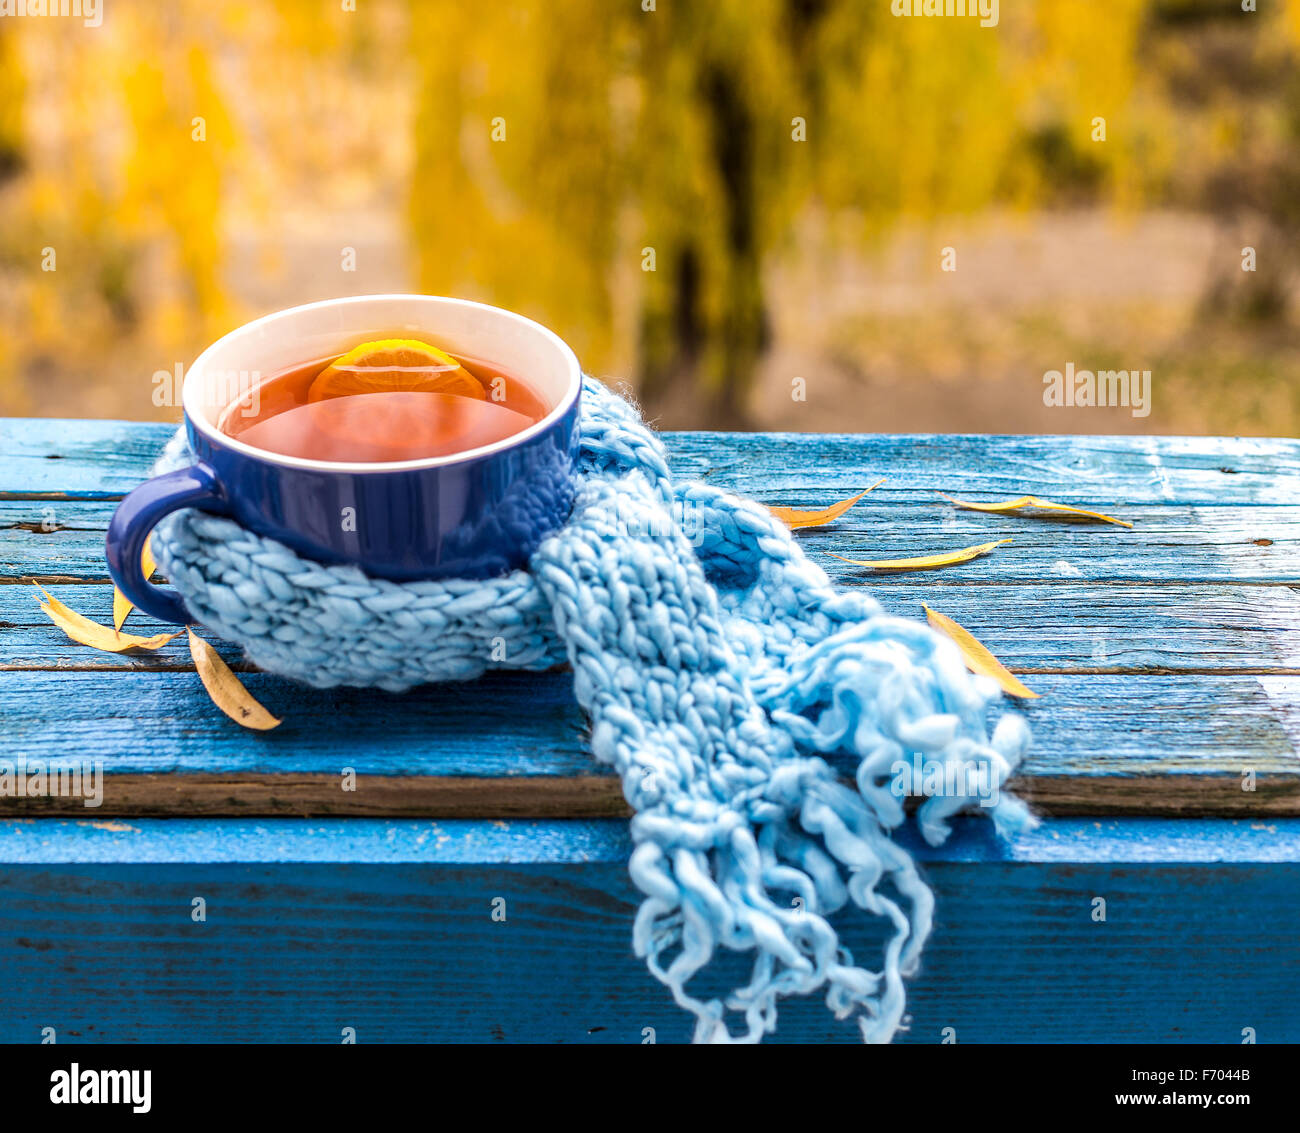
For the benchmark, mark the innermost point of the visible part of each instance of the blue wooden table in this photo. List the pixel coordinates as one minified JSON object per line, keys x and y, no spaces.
{"x":473,"y":886}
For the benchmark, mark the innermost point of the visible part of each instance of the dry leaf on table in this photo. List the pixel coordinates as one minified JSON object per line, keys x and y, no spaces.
{"x":1003,"y":506}
{"x":976,"y":654}
{"x":85,"y":632}
{"x":925,"y":562}
{"x":224,"y":687}
{"x":795,"y":518}
{"x":121,"y":604}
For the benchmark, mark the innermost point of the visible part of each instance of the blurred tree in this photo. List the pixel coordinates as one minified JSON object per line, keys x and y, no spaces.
{"x":717,"y":124}
{"x":11,"y":107}
{"x":716,"y":141}
{"x":518,"y":177}
{"x":1236,"y":89}
{"x":181,"y":137}
{"x":115,"y":185}
{"x":551,"y":154}
{"x":12,"y":91}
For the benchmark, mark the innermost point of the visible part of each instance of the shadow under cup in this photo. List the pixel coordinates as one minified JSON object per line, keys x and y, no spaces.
{"x":473,"y":514}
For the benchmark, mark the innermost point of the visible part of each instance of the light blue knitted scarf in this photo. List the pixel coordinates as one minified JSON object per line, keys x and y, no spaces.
{"x":718,"y":666}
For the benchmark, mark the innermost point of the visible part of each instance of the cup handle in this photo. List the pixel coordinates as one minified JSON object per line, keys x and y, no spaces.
{"x":136,"y":517}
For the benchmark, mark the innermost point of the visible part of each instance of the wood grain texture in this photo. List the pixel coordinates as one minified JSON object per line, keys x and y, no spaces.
{"x":1102,"y":744}
{"x":85,"y":459}
{"x":1168,"y":658}
{"x":64,"y":541}
{"x":310,"y":932}
{"x":1192,"y":616}
{"x":1118,"y":841}
{"x":1061,"y":627}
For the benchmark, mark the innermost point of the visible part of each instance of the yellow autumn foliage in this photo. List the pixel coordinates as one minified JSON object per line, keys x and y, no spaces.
{"x":627,"y":176}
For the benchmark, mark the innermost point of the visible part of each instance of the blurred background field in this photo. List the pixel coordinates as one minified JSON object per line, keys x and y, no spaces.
{"x":791,"y":169}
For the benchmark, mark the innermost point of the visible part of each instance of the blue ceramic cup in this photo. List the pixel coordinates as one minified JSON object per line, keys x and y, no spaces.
{"x":473,"y":514}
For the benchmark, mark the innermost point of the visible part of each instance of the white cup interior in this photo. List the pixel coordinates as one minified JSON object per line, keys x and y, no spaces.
{"x":267,"y":346}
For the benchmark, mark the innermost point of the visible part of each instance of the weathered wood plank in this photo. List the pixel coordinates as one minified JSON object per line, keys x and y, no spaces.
{"x":68,"y":459}
{"x":1058,"y":627}
{"x":312,"y":924}
{"x":1063,"y":841}
{"x":1078,"y":607}
{"x":313,"y":927}
{"x":515,"y":744}
{"x":1119,"y":470}
{"x":1169,"y":544}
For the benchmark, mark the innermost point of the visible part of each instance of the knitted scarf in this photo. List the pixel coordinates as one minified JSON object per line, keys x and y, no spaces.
{"x":726,"y":681}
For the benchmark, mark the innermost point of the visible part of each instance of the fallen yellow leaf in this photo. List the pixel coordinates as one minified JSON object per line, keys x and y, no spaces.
{"x":795,"y":518}
{"x":85,"y":632}
{"x":949,"y":558}
{"x":223,"y":686}
{"x":121,"y":605}
{"x":978,"y":658}
{"x":1034,"y":501}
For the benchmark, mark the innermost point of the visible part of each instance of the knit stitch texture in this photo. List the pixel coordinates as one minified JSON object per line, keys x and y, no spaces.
{"x":755,"y":716}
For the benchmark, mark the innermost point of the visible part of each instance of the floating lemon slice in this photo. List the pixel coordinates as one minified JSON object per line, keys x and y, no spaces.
{"x":393,"y":365}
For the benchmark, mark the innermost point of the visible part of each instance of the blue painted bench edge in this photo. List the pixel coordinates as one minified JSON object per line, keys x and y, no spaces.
{"x":1138,"y":841}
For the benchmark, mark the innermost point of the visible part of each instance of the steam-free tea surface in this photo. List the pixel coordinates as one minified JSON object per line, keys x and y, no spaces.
{"x":385,"y":427}
{"x":383,"y":402}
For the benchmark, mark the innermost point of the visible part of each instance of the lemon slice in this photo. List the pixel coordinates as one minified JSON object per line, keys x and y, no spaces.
{"x":393,"y":365}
